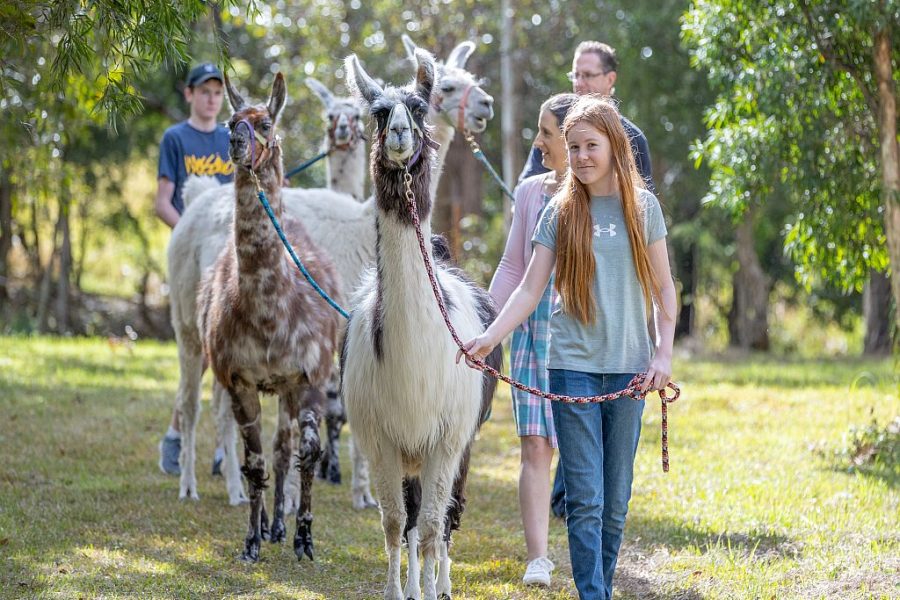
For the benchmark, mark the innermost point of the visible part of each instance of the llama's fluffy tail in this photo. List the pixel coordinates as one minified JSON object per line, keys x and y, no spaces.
{"x":196,"y":185}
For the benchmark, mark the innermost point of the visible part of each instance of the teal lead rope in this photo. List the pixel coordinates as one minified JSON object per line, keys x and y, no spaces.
{"x":479,"y":154}
{"x":306,"y":165}
{"x":265,"y":203}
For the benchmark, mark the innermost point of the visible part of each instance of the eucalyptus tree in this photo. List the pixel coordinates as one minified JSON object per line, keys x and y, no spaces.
{"x":806,"y":114}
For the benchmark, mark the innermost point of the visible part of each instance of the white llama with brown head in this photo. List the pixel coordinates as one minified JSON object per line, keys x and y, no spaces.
{"x":263,"y":327}
{"x":411,"y":407}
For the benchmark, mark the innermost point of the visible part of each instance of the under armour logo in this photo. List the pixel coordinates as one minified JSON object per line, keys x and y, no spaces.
{"x":611,"y":230}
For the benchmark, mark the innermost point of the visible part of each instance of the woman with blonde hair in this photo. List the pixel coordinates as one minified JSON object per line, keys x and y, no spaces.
{"x":605,"y":235}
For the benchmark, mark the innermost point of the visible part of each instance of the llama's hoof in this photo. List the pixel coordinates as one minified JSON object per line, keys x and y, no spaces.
{"x":250,"y":555}
{"x":303,"y":540}
{"x":445,"y":597}
{"x":238,"y":500}
{"x":334,"y":474}
{"x":362,"y":501}
{"x":279,"y":531}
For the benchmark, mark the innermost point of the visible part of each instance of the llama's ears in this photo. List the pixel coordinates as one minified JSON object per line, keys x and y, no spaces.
{"x":278,"y":97}
{"x":321,"y":91}
{"x":460,"y":54}
{"x":424,"y":74}
{"x":360,"y":82}
{"x":234,"y":98}
{"x":410,"y":47}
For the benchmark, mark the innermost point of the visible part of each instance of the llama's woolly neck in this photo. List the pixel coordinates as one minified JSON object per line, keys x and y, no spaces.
{"x":442,"y":134}
{"x":258,"y":248}
{"x":406,"y":299}
{"x":345,"y":171}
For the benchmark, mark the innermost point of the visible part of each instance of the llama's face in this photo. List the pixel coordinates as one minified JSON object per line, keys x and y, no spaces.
{"x":399,"y":113}
{"x":251,"y":147}
{"x":457,"y":92}
{"x":345,"y":124}
{"x":343,"y":117}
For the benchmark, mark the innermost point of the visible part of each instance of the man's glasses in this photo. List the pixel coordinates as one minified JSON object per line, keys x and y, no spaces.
{"x":574,"y":76}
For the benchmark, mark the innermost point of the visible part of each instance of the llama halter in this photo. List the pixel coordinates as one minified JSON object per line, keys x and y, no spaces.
{"x":267,"y":144}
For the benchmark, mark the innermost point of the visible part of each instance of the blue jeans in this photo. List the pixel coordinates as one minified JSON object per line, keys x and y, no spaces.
{"x":597,"y":445}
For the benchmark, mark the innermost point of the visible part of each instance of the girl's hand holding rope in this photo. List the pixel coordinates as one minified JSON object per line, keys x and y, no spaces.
{"x":659,"y":373}
{"x":477,"y":348}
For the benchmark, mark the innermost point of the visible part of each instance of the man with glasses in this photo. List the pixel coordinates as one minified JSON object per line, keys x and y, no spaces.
{"x":594,"y":72}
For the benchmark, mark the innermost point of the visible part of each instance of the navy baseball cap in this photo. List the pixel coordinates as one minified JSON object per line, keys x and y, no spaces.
{"x":204,"y":72}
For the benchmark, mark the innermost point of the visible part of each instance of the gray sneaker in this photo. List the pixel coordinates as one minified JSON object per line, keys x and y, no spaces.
{"x":169,"y":451}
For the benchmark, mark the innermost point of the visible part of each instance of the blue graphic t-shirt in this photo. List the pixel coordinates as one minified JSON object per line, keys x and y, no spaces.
{"x":188,"y":151}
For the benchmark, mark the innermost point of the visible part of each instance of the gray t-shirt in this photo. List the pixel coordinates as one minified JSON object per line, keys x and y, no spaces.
{"x":618,"y":341}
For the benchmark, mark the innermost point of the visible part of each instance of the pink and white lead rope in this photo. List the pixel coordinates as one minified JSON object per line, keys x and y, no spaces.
{"x":632,"y":390}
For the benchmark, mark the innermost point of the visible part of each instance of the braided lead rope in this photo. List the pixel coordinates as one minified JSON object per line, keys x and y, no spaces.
{"x":632,"y":390}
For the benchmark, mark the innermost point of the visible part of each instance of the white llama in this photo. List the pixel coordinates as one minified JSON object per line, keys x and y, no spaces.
{"x":413,"y":410}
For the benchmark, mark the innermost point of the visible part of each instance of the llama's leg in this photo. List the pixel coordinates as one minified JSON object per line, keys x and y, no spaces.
{"x":388,"y":478}
{"x":190,"y":360}
{"x":309,"y":454}
{"x":455,"y":509}
{"x":361,"y":494}
{"x":281,"y":453}
{"x":292,"y":480}
{"x":437,"y":479}
{"x":412,"y":494}
{"x":227,"y":437}
{"x":247,"y":413}
{"x":335,"y":417}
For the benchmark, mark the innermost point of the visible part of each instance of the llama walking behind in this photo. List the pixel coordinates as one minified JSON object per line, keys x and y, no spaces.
{"x":413,"y":409}
{"x":263,"y":327}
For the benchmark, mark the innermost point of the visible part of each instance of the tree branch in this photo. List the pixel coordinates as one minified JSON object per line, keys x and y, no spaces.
{"x":837,"y":61}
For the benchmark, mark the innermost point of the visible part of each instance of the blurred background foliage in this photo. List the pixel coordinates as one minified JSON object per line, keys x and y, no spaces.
{"x":88,"y":88}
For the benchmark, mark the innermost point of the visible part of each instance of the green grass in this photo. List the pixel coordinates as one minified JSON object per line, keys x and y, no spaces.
{"x":753,"y":507}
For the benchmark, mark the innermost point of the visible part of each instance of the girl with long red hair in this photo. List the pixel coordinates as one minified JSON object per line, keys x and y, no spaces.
{"x":605,"y":235}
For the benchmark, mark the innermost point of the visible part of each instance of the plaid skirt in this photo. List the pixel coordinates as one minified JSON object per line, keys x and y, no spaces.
{"x":528,"y":358}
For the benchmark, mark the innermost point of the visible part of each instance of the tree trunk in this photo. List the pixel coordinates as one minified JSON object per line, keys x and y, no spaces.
{"x":65,"y":260}
{"x":508,"y":112}
{"x":459,"y":192}
{"x":890,"y":157}
{"x":5,"y":233}
{"x":687,"y":273}
{"x":877,"y":314}
{"x":43,"y":303}
{"x":748,"y":319}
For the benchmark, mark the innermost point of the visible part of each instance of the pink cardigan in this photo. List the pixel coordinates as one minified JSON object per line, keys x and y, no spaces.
{"x":529,"y":205}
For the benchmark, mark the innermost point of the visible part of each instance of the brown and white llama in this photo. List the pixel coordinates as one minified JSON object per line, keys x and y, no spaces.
{"x":263,"y":327}
{"x":411,"y":407}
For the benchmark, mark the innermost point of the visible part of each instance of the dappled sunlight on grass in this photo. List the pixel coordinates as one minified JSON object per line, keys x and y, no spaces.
{"x":751,"y":507}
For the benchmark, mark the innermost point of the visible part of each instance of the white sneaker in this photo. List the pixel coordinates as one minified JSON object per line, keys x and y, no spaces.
{"x":538,"y":572}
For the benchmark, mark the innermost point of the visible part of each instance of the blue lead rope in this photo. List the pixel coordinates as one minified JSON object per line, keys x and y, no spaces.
{"x":306,"y":165}
{"x":265,"y":203}
{"x":480,"y":156}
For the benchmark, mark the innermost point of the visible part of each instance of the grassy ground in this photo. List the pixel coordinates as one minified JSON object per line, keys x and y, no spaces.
{"x":753,"y":508}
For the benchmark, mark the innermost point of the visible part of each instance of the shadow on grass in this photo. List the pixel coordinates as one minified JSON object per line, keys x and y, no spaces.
{"x":889,"y":473}
{"x":648,"y":533}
